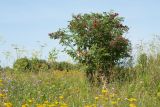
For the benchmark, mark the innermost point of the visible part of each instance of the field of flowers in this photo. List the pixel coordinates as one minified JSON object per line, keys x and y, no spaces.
{"x":71,"y":89}
{"x":56,"y":89}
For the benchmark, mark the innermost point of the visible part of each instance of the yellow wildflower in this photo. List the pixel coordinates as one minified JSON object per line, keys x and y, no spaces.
{"x":40,"y":105}
{"x":8,"y":104}
{"x":96,"y":98}
{"x":132,"y":100}
{"x":104,"y":91}
{"x":1,"y":82}
{"x":132,"y":105}
{"x":114,"y":102}
{"x":56,"y":102}
{"x":64,"y":105}
{"x":61,"y":97}
{"x":30,"y":101}
{"x":24,"y":105}
{"x":118,"y":99}
{"x":2,"y":95}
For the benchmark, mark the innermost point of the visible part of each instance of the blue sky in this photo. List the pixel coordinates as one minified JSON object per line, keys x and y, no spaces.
{"x":24,"y":22}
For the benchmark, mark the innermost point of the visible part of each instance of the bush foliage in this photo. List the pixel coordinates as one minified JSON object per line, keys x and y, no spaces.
{"x":96,"y":40}
{"x":33,"y":65}
{"x":39,"y":65}
{"x":22,"y":64}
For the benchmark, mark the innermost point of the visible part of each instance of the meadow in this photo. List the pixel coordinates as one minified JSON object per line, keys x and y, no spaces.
{"x":72,"y":89}
{"x":133,"y":86}
{"x":82,"y":53}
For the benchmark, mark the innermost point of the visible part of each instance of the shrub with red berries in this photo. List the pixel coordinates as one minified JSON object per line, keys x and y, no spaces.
{"x":95,"y":40}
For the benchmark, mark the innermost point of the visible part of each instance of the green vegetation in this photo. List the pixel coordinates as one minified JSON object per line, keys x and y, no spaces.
{"x":96,"y":40}
{"x":39,"y":65}
{"x":73,"y":90}
{"x":133,"y":81}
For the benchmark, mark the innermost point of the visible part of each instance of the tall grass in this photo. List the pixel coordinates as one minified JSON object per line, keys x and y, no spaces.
{"x":137,"y":86}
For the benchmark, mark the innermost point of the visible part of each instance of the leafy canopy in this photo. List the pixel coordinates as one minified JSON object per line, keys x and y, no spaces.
{"x":96,"y":40}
